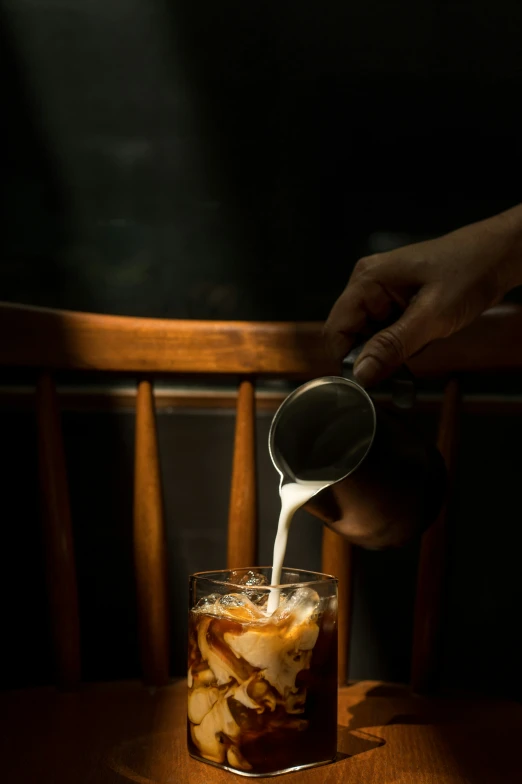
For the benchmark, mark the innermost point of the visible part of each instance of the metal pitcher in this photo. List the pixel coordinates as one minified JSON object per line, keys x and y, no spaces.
{"x":382,"y":482}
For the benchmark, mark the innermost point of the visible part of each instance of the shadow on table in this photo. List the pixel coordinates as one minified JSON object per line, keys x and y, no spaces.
{"x":476,"y":738}
{"x":351,"y":742}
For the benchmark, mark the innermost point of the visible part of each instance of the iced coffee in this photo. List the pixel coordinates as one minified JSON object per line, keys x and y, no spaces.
{"x":262,"y":695}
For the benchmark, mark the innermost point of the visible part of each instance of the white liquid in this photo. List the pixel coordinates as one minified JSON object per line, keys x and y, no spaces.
{"x":293,"y":496}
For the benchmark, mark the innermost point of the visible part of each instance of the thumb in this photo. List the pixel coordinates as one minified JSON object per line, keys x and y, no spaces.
{"x":389,"y":349}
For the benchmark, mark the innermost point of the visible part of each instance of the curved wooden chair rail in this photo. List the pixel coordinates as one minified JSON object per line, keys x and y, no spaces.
{"x":50,"y":340}
{"x":65,"y":340}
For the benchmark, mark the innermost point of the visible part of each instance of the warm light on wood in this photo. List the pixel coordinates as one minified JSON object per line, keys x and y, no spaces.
{"x":149,"y":544}
{"x":242,"y":517}
{"x":142,"y":345}
{"x":116,"y":733}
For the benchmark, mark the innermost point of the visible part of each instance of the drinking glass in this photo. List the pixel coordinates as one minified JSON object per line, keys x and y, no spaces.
{"x":262,"y":690}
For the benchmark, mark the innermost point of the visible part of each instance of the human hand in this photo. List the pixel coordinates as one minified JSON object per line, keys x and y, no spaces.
{"x":422,"y":292}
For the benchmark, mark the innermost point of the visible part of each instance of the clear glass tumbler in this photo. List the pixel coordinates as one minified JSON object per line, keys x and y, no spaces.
{"x":262,"y":690}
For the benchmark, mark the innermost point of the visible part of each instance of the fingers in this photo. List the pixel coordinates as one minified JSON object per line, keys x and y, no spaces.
{"x":391,"y":347}
{"x":360,"y":305}
{"x":344,"y":323}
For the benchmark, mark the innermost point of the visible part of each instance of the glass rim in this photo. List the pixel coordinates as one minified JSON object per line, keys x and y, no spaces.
{"x":325,"y":578}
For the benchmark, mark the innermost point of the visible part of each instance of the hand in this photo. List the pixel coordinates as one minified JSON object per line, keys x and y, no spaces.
{"x":424,"y":291}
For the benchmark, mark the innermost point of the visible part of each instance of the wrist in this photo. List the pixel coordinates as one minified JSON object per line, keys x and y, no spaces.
{"x":509,"y":223}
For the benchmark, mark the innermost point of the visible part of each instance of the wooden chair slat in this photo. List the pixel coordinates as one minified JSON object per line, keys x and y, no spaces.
{"x":143,"y":345}
{"x":432,"y":559}
{"x":58,"y":539}
{"x":242,"y":519}
{"x":337,"y":560}
{"x":149,"y":544}
{"x":487,"y":345}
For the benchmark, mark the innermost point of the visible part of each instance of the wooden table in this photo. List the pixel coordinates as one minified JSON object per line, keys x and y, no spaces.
{"x":109,"y":734}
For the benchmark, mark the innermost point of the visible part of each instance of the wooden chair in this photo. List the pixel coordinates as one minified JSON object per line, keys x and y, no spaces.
{"x":125,"y":732}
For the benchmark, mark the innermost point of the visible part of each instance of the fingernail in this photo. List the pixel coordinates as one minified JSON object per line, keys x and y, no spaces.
{"x":366,"y":371}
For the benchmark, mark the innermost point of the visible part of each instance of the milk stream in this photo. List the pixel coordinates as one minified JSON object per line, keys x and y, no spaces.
{"x":293,"y":496}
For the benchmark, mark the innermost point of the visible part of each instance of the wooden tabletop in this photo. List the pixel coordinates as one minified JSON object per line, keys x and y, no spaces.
{"x":113,"y":733}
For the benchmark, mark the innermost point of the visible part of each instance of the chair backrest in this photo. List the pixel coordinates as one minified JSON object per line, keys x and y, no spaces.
{"x":51,"y":341}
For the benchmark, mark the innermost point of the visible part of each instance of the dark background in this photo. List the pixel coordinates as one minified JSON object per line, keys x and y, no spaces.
{"x":233,"y":160}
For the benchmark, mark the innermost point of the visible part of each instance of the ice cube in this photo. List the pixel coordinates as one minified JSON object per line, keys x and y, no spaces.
{"x":237,"y":607}
{"x":260,"y":599}
{"x":248,"y":578}
{"x":299,"y":606}
{"x":207,"y":603}
{"x":251,"y":580}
